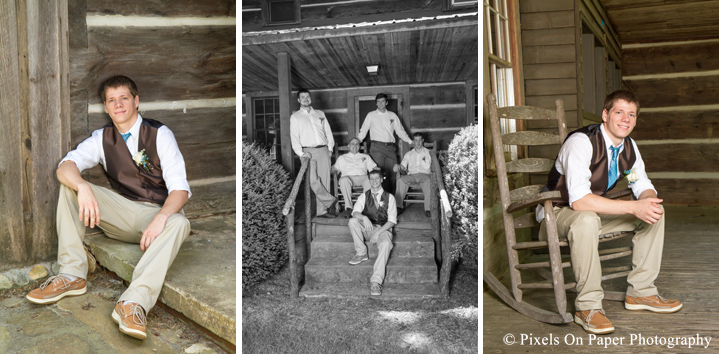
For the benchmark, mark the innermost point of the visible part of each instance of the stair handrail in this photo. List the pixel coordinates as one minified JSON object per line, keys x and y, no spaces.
{"x":444,"y":230}
{"x":289,"y":212}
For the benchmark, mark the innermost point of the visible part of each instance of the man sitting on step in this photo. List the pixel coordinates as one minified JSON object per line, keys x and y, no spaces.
{"x":353,"y":166}
{"x":144,"y":206}
{"x":374,"y":215}
{"x":416,"y":163}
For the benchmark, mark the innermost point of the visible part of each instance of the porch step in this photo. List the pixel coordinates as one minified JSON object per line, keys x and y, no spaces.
{"x":341,"y":247}
{"x":361,"y":291}
{"x":399,"y":270}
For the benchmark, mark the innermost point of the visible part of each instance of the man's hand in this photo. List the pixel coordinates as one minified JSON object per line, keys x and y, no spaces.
{"x":152,"y":231}
{"x":306,"y":154}
{"x":375,"y":237}
{"x":397,"y":168}
{"x":648,"y":210}
{"x":89,"y":211}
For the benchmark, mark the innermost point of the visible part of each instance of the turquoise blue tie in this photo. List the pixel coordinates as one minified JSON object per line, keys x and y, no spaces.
{"x":125,"y":136}
{"x":613,"y":166}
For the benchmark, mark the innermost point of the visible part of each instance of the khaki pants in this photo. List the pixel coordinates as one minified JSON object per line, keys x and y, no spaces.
{"x":320,"y":178}
{"x":124,"y":220}
{"x":347,"y":182}
{"x":403,"y":186}
{"x":582,"y":229}
{"x":384,"y":246}
{"x":385,"y":156}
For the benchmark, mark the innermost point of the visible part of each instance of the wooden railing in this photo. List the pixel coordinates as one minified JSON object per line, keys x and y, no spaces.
{"x":289,"y":212}
{"x":441,"y":228}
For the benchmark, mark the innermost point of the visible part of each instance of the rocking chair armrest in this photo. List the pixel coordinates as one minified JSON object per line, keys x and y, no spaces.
{"x":534,"y":200}
{"x":616,"y":194}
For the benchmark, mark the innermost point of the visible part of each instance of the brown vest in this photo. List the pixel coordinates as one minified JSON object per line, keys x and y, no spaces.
{"x":132,"y":181}
{"x":599,"y":165}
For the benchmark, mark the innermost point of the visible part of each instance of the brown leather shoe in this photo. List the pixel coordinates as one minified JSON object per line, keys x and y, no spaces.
{"x":654,"y":303}
{"x":594,"y":321}
{"x":131,"y":318}
{"x":55,"y":288}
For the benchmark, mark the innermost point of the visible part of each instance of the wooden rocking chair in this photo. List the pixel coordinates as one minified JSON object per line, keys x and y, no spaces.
{"x":414,"y":194}
{"x":522,"y":198}
{"x":356,"y":190}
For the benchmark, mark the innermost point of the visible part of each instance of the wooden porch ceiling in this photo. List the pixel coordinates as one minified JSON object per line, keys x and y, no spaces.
{"x":422,"y":51}
{"x":644,"y":21}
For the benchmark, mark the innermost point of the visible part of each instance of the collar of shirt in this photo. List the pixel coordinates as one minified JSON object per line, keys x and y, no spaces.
{"x":608,"y":142}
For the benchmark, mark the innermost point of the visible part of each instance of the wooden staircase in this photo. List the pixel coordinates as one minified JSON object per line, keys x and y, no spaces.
{"x":412,"y":271}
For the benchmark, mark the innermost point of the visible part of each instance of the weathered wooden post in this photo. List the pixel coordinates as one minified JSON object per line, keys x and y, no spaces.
{"x":34,"y":126}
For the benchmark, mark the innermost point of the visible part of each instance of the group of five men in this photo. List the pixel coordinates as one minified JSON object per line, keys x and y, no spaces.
{"x":375,"y":212}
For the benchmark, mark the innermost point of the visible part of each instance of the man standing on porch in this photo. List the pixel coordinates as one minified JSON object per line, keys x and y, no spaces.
{"x":312,"y":137}
{"x":382,"y":125}
{"x":590,"y":163}
{"x":147,"y":173}
{"x":373,"y":217}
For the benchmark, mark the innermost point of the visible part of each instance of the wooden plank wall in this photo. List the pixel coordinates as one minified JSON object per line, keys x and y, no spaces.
{"x":34,"y":126}
{"x":182,"y":56}
{"x":549,"y":49}
{"x":678,"y":88}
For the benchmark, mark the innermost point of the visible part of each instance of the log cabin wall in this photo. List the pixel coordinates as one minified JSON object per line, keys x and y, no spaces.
{"x":570,"y":52}
{"x":676,"y":84}
{"x":182,"y":56}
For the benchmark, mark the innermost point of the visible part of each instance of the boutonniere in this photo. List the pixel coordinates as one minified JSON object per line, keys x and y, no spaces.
{"x":381,"y":204}
{"x":424,"y":159}
{"x":364,"y":159}
{"x":141,"y":159}
{"x":631,"y":176}
{"x":391,"y":121}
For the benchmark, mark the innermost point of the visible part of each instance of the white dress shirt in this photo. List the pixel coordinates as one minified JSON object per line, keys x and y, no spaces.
{"x":391,"y":208}
{"x":357,"y":164}
{"x":310,"y":129}
{"x":90,"y":152}
{"x":573,"y":162}
{"x":382,"y":126}
{"x":417,"y":161}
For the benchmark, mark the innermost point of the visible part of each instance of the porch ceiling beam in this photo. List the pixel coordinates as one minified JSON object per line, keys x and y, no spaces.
{"x":278,"y":36}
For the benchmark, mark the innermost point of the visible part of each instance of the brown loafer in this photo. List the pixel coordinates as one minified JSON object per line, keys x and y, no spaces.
{"x":594,"y":321}
{"x":654,"y":303}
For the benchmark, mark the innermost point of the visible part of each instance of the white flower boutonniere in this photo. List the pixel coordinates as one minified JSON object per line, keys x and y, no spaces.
{"x":631,"y":175}
{"x":381,"y":204}
{"x":142,"y":160}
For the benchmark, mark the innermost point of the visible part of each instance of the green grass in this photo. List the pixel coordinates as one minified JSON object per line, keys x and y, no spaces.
{"x":274,"y":323}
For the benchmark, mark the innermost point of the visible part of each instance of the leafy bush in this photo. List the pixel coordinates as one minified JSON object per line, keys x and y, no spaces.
{"x":462,"y":184}
{"x":265,"y":187}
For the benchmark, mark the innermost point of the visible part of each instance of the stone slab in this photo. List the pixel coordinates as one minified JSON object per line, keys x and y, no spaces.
{"x":201,"y":282}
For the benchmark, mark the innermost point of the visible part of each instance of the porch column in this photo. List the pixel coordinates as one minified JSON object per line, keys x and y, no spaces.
{"x":284,"y":84}
{"x":34,"y":126}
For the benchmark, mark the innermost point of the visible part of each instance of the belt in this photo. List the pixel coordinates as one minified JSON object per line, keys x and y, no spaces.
{"x":382,"y":142}
{"x":314,"y":147}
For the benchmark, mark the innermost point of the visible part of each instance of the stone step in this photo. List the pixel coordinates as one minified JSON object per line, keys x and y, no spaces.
{"x":199,"y":286}
{"x":399,"y":270}
{"x":343,"y":229}
{"x":405,"y":245}
{"x":356,"y":290}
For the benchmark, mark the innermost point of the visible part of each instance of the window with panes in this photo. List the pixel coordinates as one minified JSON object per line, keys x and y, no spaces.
{"x":266,"y":119}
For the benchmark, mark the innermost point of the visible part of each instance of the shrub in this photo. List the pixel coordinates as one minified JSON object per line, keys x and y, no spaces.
{"x":265,"y":187}
{"x":462,"y":185}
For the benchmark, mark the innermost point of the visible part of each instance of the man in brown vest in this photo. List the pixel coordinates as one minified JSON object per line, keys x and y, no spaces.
{"x":590,"y":163}
{"x":147,"y":173}
{"x":373,"y":216}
